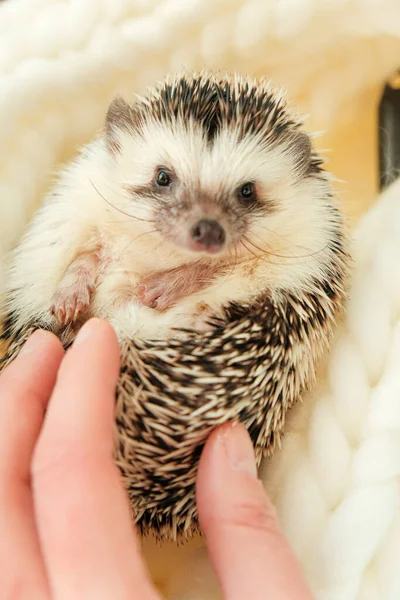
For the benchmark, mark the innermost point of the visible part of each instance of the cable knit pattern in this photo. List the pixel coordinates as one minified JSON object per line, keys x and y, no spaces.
{"x":339,"y":499}
{"x":336,"y":480}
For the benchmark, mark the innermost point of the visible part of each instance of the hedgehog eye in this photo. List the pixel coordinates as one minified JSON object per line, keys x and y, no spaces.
{"x":163,"y":178}
{"x":247,"y":193}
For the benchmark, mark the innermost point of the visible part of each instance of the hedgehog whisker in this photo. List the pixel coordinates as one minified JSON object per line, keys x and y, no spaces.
{"x":265,"y":252}
{"x":235,"y":262}
{"x":134,"y":240}
{"x":268,"y":251}
{"x":133,"y":217}
{"x":275,"y":233}
{"x":285,"y":238}
{"x":134,"y":196}
{"x":120,"y":221}
{"x":299,"y":256}
{"x":229,"y":273}
{"x":270,"y":231}
{"x":116,"y":189}
{"x":250,"y":251}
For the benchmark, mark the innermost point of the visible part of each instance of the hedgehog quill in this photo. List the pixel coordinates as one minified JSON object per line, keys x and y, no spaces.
{"x":202,"y":225}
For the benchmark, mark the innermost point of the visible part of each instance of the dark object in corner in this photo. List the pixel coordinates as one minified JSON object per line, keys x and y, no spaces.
{"x":389,"y":133}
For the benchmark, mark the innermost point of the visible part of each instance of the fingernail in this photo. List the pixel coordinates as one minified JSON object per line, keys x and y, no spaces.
{"x":239,"y":449}
{"x":86,"y":331}
{"x":37,"y":339}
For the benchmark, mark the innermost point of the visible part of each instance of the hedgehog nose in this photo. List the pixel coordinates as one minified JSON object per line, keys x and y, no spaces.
{"x":208,"y":236}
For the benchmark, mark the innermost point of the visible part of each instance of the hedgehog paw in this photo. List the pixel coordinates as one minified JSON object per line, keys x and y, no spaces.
{"x":158,"y":291}
{"x":153,"y":295}
{"x":69,"y":303}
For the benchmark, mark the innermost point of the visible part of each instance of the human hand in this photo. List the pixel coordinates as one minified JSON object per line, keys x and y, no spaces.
{"x":65,"y":520}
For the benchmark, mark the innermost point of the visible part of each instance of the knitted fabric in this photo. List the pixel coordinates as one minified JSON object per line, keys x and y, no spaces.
{"x":336,"y":480}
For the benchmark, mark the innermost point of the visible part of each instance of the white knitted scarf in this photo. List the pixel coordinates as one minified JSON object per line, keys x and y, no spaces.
{"x":336,"y":480}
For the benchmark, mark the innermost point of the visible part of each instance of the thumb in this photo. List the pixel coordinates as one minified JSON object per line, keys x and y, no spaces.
{"x":250,"y":554}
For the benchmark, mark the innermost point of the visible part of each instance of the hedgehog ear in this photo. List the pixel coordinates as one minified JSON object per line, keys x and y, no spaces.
{"x":300,"y":149}
{"x":120,"y":116}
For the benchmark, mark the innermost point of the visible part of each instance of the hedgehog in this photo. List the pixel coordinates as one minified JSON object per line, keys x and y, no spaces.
{"x":202,"y":224}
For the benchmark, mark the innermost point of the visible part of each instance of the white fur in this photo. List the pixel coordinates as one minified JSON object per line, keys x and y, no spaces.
{"x":60,"y":62}
{"x":90,"y":202}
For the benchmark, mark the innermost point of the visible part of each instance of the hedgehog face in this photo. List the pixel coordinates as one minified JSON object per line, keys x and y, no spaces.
{"x":218,"y":167}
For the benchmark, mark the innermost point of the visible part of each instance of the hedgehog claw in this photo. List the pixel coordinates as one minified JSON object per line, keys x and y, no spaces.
{"x":150,"y":295}
{"x":68,"y":310}
{"x":80,"y":309}
{"x":70,"y":303}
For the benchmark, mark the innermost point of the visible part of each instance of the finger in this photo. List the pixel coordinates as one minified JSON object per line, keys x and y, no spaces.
{"x":83,"y":514}
{"x":25,"y":387}
{"x":249,"y":553}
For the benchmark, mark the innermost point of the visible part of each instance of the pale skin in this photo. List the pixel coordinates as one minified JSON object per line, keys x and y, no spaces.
{"x":65,"y":522}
